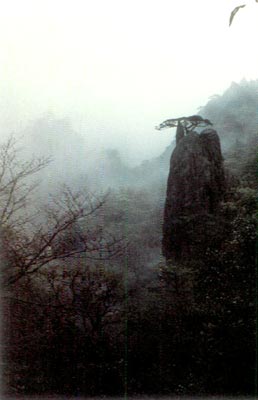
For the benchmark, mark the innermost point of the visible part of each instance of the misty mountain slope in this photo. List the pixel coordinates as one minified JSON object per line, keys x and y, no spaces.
{"x":234,"y":114}
{"x":110,"y":171}
{"x":155,"y":170}
{"x":56,"y":139}
{"x":77,"y":165}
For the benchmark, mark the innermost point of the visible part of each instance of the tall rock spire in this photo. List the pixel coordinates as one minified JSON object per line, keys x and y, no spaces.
{"x":196,"y":185}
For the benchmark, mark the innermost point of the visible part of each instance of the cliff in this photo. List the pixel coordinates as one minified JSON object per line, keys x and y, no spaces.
{"x":195,"y":187}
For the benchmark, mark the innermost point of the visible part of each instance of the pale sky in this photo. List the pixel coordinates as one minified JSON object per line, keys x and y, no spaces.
{"x":117,"y":68}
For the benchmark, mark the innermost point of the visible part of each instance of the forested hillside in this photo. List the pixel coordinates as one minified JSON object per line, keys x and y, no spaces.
{"x":90,"y":305}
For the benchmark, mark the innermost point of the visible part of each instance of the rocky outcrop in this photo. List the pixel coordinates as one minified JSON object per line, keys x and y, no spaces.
{"x":180,"y":133}
{"x":195,"y":187}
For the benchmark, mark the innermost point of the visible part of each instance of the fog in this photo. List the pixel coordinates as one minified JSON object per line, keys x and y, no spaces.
{"x":115,"y":69}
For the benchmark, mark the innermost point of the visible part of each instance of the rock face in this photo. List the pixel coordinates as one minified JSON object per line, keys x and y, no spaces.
{"x":180,"y":133}
{"x":196,"y":185}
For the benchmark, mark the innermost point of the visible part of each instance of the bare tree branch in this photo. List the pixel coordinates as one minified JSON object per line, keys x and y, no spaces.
{"x":69,"y":226}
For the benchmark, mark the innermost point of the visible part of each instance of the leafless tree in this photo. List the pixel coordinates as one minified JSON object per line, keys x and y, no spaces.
{"x":16,"y":185}
{"x":68,"y":226}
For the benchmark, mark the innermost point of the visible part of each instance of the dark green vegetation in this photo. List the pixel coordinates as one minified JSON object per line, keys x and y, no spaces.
{"x":90,"y":307}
